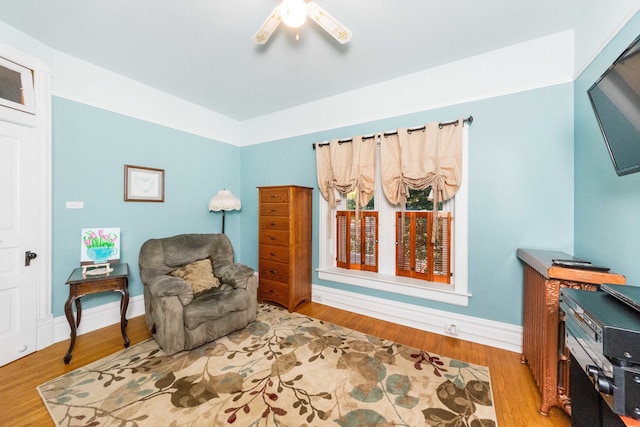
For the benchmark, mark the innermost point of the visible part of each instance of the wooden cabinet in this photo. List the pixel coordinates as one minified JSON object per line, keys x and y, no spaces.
{"x":543,"y":347}
{"x":284,"y":254}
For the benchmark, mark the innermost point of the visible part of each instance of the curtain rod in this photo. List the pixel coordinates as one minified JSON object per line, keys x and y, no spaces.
{"x":468,"y":120}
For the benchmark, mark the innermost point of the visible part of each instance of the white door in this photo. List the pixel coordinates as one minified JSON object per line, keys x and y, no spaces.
{"x":18,"y":236}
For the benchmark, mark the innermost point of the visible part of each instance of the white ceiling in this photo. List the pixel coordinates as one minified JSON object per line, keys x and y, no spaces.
{"x":202,"y":50}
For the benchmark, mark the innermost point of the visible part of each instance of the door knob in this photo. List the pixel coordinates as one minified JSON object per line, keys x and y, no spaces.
{"x":28,"y":256}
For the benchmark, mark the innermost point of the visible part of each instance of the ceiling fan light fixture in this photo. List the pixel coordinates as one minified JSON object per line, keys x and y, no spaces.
{"x":293,"y":12}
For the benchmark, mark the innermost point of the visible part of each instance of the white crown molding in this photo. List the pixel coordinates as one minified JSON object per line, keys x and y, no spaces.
{"x":592,"y":37}
{"x":75,"y":79}
{"x":538,"y":63}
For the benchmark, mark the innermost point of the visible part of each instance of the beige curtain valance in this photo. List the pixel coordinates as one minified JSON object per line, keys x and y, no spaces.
{"x":410,"y":159}
{"x":345,"y":167}
{"x":417,"y":159}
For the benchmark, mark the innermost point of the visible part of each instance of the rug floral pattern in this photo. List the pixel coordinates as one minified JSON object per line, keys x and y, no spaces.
{"x":284,"y":370}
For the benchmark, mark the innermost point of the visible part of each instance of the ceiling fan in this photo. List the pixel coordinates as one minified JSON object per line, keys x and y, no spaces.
{"x":294,"y":13}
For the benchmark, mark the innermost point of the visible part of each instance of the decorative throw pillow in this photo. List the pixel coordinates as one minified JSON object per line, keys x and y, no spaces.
{"x":198,"y":274}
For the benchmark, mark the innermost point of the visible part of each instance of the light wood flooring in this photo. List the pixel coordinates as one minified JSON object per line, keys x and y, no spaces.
{"x":516,"y":396}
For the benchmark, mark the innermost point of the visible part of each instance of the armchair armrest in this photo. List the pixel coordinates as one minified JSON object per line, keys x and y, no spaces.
{"x":167,"y":286}
{"x":236,"y":275}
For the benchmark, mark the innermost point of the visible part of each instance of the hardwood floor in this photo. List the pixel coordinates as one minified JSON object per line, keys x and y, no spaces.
{"x":516,"y":396}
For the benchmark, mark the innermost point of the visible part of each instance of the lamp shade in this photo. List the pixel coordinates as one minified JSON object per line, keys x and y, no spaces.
{"x":224,"y":201}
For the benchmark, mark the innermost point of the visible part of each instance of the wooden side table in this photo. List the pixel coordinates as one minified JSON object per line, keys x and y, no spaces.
{"x":81,"y":284}
{"x":543,"y":347}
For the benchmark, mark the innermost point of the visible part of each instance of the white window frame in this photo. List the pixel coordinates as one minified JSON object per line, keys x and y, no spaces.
{"x":26,"y":80}
{"x":457,"y":292}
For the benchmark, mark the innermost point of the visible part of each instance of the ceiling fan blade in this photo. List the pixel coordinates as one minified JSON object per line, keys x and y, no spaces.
{"x":328,"y":22}
{"x":268,"y":27}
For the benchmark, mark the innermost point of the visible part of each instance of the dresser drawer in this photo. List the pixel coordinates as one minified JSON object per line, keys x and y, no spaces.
{"x":274,"y":222}
{"x":274,"y":209}
{"x":274,"y":253}
{"x":274,"y":237}
{"x":274,"y":195}
{"x":274,"y":271}
{"x":273,"y":291}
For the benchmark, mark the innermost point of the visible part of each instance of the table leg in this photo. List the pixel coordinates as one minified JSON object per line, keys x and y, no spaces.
{"x":72,"y":324}
{"x":78,"y":311}
{"x":124,"y":303}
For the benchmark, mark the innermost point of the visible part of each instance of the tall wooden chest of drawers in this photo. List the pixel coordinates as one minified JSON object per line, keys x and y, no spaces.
{"x":284,"y":254}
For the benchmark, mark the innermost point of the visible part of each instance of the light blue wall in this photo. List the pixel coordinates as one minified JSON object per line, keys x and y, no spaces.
{"x":91,"y":147}
{"x":521,"y":189}
{"x":607,"y":217}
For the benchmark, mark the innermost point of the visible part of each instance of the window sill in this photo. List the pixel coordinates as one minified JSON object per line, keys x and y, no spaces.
{"x":396,"y":285}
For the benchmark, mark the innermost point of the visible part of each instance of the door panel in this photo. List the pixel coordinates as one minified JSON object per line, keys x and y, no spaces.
{"x":18,"y":234}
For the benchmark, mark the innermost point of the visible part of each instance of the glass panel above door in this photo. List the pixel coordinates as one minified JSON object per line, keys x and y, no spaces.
{"x":16,"y":87}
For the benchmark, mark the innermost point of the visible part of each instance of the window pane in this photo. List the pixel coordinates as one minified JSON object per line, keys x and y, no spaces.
{"x":418,"y":200}
{"x":351,"y":203}
{"x":11,"y":85}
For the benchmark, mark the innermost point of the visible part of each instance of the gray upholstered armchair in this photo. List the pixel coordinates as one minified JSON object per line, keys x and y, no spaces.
{"x":182,"y":317}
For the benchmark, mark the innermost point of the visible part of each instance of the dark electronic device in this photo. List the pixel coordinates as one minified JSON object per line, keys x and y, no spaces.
{"x":580,"y":265}
{"x":629,"y":295}
{"x":603,"y":336}
{"x":615,"y":98}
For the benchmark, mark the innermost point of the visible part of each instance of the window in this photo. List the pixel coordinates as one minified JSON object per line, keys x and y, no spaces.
{"x":417,"y":256}
{"x":385,"y":279}
{"x":357,"y":240}
{"x":16,"y":87}
{"x":420,"y":254}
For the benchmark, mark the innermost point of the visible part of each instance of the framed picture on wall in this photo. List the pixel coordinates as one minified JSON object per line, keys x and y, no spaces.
{"x":142,"y":184}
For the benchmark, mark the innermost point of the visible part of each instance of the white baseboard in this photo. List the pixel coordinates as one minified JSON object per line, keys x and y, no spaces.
{"x":45,"y":332}
{"x":482,"y":331}
{"x":97,"y":317}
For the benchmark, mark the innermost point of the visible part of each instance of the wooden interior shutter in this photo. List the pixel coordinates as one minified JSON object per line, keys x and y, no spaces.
{"x":441,"y":249}
{"x":420,"y":248}
{"x":370,"y":240}
{"x":342,"y":239}
{"x":403,"y":245}
{"x":416,"y":255}
{"x":355,"y":241}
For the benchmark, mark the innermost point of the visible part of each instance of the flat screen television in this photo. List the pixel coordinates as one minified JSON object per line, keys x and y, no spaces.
{"x":615,"y":98}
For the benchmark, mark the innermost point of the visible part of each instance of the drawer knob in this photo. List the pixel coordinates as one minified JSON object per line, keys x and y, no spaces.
{"x":272,"y":254}
{"x":273,"y":271}
{"x":273,"y":238}
{"x":274,"y":210}
{"x":273,"y":224}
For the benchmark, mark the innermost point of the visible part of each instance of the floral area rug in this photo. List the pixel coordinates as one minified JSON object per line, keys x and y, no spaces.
{"x":284,"y":369}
